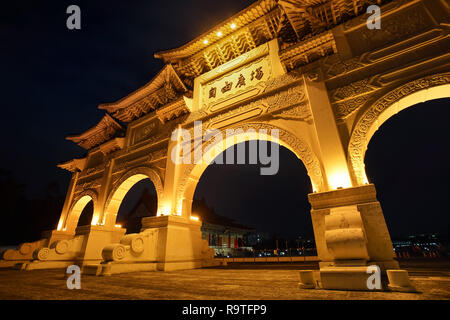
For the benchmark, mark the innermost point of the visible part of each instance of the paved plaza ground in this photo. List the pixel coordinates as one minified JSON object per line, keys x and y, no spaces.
{"x":236,"y":281}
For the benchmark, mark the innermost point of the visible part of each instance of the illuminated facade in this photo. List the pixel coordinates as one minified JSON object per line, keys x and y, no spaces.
{"x":310,"y":69}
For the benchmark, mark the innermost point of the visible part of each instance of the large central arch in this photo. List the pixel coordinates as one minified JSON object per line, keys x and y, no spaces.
{"x":261,"y":131}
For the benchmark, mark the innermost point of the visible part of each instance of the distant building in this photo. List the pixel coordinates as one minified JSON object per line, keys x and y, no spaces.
{"x":145,"y":207}
{"x":223,"y":234}
{"x":427,"y":245}
{"x":256,"y":238}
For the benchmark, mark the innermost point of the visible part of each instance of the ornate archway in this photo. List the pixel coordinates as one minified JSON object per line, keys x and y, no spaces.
{"x":420,"y":90}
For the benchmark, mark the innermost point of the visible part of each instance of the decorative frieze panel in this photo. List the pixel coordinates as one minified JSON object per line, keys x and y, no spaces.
{"x":140,"y":158}
{"x":144,"y":132}
{"x":91,"y":183}
{"x":301,"y":112}
{"x":351,"y":90}
{"x":344,"y":109}
{"x":347,"y":99}
{"x":94,"y":170}
{"x":153,"y":132}
{"x":308,"y":51}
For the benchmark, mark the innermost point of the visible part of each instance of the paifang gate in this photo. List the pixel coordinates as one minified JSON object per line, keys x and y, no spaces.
{"x":310,"y":70}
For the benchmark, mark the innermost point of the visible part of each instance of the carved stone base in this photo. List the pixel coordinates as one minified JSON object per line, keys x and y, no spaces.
{"x":399,"y":281}
{"x":348,"y":278}
{"x":351,"y":234}
{"x":166,"y":243}
{"x":59,"y":249}
{"x":180,"y":243}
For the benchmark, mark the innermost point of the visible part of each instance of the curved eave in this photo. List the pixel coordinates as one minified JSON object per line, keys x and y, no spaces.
{"x":73,"y":165}
{"x":98,"y":134}
{"x":146,"y":89}
{"x":241,"y":19}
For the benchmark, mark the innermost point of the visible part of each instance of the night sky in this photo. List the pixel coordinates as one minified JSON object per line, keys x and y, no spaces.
{"x":53,"y":79}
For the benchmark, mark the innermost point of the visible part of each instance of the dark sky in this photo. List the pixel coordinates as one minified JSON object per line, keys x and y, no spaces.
{"x":53,"y":80}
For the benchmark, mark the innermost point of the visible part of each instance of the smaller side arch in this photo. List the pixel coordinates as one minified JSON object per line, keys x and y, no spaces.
{"x":414,"y":92}
{"x":123,"y":185}
{"x":75,"y":210}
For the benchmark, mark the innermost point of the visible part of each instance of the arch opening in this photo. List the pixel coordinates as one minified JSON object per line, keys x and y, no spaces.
{"x":407,"y":161}
{"x":142,"y":178}
{"x":81,"y":213}
{"x":86,"y":215}
{"x":244,"y":213}
{"x":140,"y":201}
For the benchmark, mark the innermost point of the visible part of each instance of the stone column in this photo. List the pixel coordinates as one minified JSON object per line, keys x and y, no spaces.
{"x":68,"y":200}
{"x":332,"y":152}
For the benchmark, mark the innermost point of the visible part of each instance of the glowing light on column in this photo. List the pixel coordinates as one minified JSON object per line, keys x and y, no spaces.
{"x":94,"y":220}
{"x":339,"y":180}
{"x":164,"y":211}
{"x":180,"y":208}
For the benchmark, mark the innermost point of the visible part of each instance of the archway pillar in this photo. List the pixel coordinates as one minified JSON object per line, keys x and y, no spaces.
{"x":331,"y":148}
{"x":351,"y":234}
{"x":96,"y":237}
{"x":179,"y":243}
{"x":168,"y":198}
{"x":68,"y":201}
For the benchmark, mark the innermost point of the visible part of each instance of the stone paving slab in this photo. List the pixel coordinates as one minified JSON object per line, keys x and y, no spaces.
{"x":213,"y":283}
